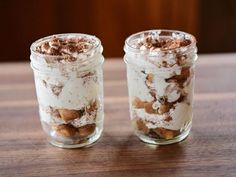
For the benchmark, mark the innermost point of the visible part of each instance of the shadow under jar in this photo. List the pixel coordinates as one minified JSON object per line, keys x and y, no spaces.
{"x":160,"y":72}
{"x":69,"y":86}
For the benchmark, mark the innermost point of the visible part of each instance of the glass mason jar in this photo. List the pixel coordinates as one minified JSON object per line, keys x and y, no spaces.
{"x":69,"y":88}
{"x":160,"y":73}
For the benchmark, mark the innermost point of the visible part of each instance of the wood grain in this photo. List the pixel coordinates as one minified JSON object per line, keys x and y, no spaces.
{"x":210,"y":150}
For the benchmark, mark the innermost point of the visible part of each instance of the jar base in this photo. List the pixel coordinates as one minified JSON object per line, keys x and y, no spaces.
{"x":155,"y":141}
{"x":85,"y":143}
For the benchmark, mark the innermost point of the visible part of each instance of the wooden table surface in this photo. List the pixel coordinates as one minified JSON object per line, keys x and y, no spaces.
{"x":210,"y":149}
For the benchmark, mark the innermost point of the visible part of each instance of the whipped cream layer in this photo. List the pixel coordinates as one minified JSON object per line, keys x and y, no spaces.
{"x":181,"y":112}
{"x":72,"y":92}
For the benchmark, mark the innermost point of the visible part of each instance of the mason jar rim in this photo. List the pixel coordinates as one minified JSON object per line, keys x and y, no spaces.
{"x":129,"y":48}
{"x":63,"y":35}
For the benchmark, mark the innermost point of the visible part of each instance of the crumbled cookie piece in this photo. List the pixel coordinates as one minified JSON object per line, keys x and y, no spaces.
{"x":166,"y":133}
{"x":69,"y":115}
{"x":150,"y":77}
{"x":148,"y":82}
{"x":93,"y":106}
{"x":141,"y":126}
{"x":53,"y":112}
{"x":183,"y":75}
{"x":138,"y":103}
{"x":164,"y":108}
{"x":180,"y":79}
{"x":65,"y":130}
{"x":148,"y":107}
{"x":86,"y":130}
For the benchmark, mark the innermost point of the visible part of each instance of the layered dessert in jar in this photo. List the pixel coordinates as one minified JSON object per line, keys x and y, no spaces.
{"x":69,"y":87}
{"x":160,"y":72}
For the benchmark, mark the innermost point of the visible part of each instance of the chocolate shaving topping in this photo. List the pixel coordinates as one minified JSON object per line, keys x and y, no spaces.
{"x":66,"y":47}
{"x":153,"y":42}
